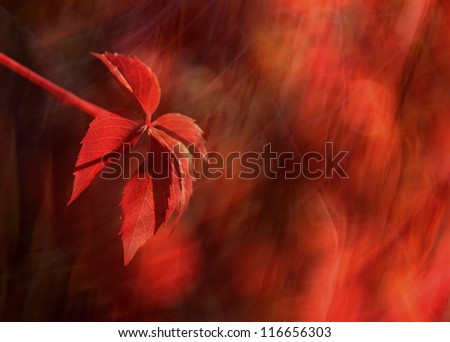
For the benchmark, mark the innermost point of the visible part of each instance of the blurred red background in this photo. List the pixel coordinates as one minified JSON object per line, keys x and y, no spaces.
{"x":373,"y":77}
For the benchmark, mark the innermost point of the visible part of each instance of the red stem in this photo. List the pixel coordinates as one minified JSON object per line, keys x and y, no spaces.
{"x":61,"y":94}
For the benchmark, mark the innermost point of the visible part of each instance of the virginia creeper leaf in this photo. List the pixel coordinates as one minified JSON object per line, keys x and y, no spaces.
{"x":138,"y":205}
{"x":182,"y":157}
{"x":106,"y":133}
{"x":182,"y":128}
{"x":136,"y":78}
{"x":151,"y":197}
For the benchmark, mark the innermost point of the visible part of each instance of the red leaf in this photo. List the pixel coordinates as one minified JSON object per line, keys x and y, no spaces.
{"x":173,"y":204}
{"x":182,"y":164}
{"x":149,"y":199}
{"x":106,"y":133}
{"x":136,"y":78}
{"x":138,"y":205}
{"x":182,"y":128}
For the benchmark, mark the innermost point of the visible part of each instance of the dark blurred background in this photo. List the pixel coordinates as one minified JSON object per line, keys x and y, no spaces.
{"x":373,"y":77}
